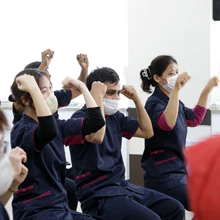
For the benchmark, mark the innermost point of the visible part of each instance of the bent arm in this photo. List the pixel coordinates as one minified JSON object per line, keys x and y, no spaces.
{"x":145,"y":129}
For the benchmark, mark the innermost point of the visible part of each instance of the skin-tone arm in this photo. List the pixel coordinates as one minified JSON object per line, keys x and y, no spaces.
{"x":70,"y":83}
{"x":17,"y":156}
{"x":98,"y":91}
{"x":82,"y":59}
{"x":208,"y":88}
{"x":172,"y":108}
{"x":46,"y":57}
{"x":28,"y":83}
{"x":84,"y":63}
{"x":145,"y":129}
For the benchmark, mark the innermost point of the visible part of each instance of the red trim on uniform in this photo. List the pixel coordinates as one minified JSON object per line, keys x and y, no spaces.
{"x":163,"y":161}
{"x":94,"y":181}
{"x":24,"y":189}
{"x":35,"y":147}
{"x":83,"y":175}
{"x":37,"y":197}
{"x":156,"y":152}
{"x":82,"y":122}
{"x":162,"y":123}
{"x":127,"y":135}
{"x":74,"y":139}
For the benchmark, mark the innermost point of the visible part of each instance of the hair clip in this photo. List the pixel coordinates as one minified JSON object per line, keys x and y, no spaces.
{"x":147,"y":73}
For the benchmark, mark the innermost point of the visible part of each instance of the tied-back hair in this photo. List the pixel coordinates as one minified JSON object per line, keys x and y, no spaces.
{"x":104,"y":75}
{"x":157,"y":66}
{"x":18,"y":94}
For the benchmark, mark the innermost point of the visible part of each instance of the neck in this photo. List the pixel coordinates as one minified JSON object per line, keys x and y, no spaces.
{"x":164,"y":91}
{"x":31,"y":113}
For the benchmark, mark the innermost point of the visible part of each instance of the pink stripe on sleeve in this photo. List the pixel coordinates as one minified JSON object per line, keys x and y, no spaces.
{"x":162,"y":123}
{"x":199,"y":112}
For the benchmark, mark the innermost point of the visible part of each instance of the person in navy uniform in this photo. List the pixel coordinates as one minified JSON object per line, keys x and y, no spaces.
{"x":64,"y":97}
{"x":42,"y":195}
{"x":163,"y":159}
{"x":100,"y":172}
{"x":13,"y":171}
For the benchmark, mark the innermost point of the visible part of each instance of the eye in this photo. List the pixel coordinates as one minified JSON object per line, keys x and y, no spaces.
{"x":110,"y":93}
{"x":171,"y":73}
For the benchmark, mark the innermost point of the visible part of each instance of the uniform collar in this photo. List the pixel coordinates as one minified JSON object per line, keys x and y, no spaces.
{"x":161,"y":95}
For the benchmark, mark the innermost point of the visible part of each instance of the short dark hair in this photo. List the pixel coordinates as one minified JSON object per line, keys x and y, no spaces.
{"x":157,"y":66}
{"x":18,"y":94}
{"x":104,"y":75}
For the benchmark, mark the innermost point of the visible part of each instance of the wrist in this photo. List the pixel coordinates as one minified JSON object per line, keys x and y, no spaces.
{"x":206,"y":90}
{"x":136,"y":100}
{"x":42,"y":67}
{"x":84,"y":69}
{"x":97,"y":97}
{"x":83,"y":88}
{"x":14,"y":186}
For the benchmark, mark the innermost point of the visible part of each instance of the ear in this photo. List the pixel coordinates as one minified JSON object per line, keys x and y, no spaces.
{"x":25,"y":101}
{"x":156,"y":78}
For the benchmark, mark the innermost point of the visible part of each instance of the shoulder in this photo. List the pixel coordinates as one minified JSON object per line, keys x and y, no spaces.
{"x":80,"y":113}
{"x":61,"y":92}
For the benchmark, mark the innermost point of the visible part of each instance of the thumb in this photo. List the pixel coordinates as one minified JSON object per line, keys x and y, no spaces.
{"x":24,"y":169}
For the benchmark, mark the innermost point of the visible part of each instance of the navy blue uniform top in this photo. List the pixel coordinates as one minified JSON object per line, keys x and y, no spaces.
{"x":3,"y":213}
{"x":163,"y":154}
{"x":99,"y":168}
{"x":43,"y":187}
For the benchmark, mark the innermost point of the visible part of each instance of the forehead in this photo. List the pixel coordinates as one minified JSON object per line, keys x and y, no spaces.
{"x":44,"y":81}
{"x":113,"y":86}
{"x":171,"y":66}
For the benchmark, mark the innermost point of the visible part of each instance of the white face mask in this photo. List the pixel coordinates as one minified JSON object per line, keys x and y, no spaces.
{"x":111,"y":106}
{"x":52,"y":103}
{"x":6,"y":174}
{"x":171,"y":81}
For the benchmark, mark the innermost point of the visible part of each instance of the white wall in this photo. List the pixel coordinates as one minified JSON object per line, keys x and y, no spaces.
{"x":97,"y":28}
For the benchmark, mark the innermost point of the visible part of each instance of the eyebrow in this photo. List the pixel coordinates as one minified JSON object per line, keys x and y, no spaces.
{"x":173,"y":70}
{"x":113,"y":90}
